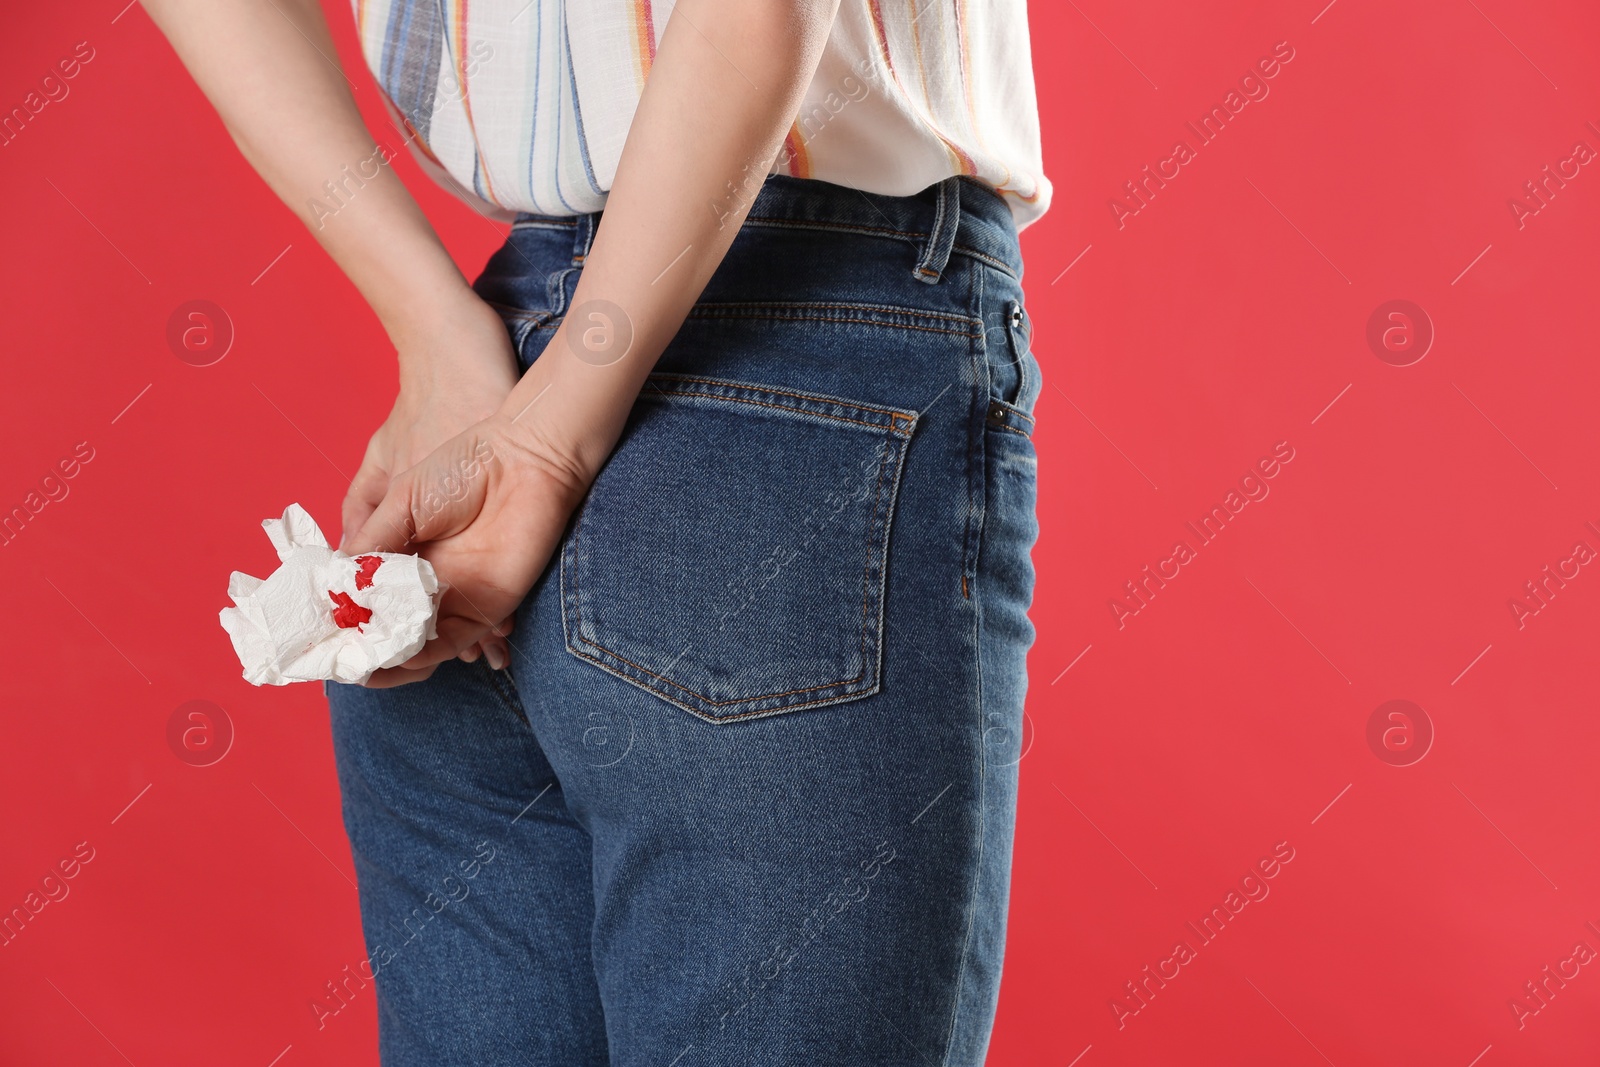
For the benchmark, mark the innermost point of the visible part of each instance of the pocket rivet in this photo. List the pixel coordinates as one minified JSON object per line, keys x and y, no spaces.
{"x":997,"y":414}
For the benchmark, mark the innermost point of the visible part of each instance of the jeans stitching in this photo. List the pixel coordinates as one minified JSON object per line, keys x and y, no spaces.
{"x":976,"y":420}
{"x":778,"y":222}
{"x":894,"y":429}
{"x":758,"y":713}
{"x":547,"y":320}
{"x":694,"y":314}
{"x":940,"y":210}
{"x":556,"y":292}
{"x":980,"y":497}
{"x":806,"y":305}
{"x":499,"y":682}
{"x":815,"y":398}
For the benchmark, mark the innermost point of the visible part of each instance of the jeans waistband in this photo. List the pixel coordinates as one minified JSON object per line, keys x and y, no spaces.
{"x":957,"y":216}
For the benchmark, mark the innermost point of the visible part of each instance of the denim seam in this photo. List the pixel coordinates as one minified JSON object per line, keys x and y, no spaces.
{"x":514,"y":312}
{"x":982,"y":822}
{"x":695,"y":314}
{"x":779,"y":222}
{"x":759,"y":713}
{"x":519,"y":334}
{"x":893,"y":456}
{"x":778,"y":312}
{"x":895,"y":416}
{"x":940,"y":210}
{"x":787,"y":407}
{"x":553,"y":325}
{"x":556,"y":291}
{"x":499,"y":681}
{"x":1012,"y":429}
{"x":977,"y":418}
{"x":973,"y":325}
{"x":980,"y":502}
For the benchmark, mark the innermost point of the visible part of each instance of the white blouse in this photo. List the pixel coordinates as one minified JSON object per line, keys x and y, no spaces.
{"x":523,"y":105}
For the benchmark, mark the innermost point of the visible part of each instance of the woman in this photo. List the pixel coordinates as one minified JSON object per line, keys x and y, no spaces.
{"x":713,"y":760}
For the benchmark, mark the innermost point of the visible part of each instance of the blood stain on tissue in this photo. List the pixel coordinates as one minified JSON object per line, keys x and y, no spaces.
{"x":347,"y":613}
{"x":369,"y":566}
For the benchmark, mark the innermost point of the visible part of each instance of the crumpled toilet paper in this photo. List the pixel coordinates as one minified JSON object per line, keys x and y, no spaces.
{"x":325,"y":615}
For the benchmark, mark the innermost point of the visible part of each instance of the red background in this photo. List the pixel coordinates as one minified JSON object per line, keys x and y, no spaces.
{"x":1225,"y":717}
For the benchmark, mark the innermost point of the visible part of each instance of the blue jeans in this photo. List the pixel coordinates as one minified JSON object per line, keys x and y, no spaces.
{"x":746,"y":793}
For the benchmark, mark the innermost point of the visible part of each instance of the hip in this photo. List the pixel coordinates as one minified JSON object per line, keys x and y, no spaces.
{"x":841,"y":428}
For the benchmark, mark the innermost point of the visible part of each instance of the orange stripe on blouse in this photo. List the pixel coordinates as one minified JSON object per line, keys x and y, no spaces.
{"x":882,"y":34}
{"x":916,"y":47}
{"x":412,"y":136}
{"x":644,"y":39}
{"x":466,"y":98}
{"x":963,"y":161}
{"x":794,"y":150}
{"x":964,"y":43}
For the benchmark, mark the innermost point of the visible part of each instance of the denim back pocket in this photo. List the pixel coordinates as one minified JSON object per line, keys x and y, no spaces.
{"x":731,"y":557}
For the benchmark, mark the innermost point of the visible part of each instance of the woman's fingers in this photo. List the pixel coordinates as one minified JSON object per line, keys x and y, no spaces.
{"x":493,"y":646}
{"x":496,"y":646}
{"x":366,"y":492}
{"x":389,"y":527}
{"x":437,"y":498}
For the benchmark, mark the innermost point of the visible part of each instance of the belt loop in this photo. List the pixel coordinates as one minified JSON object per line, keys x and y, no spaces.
{"x":583,"y":237}
{"x":946,"y":219}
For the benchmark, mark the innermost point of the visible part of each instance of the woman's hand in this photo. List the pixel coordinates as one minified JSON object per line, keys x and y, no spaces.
{"x":456,"y":375}
{"x":487,"y":509}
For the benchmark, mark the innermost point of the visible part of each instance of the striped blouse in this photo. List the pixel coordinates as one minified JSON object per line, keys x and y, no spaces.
{"x":523,"y":105}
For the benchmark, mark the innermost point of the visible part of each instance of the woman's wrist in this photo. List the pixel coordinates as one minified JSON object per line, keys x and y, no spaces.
{"x":446,"y":335}
{"x":528,"y":453}
{"x":566,"y":414}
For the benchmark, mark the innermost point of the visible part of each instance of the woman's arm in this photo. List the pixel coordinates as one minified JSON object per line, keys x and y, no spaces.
{"x":726,"y":83}
{"x":725,"y":86}
{"x":270,"y":69}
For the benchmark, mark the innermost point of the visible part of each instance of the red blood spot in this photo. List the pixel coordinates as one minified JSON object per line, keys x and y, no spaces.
{"x":369,"y":566}
{"x":347,"y":613}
